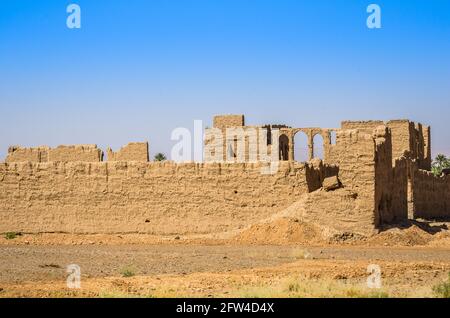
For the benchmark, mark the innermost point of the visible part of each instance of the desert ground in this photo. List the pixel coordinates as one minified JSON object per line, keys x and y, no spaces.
{"x":285,"y":259}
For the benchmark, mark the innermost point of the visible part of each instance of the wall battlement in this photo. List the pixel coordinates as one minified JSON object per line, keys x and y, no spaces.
{"x":72,"y":153}
{"x":134,"y":151}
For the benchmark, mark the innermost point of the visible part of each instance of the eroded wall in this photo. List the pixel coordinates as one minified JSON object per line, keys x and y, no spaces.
{"x":134,"y":151}
{"x":391,"y":182}
{"x":21,"y":154}
{"x":351,"y":208}
{"x":69,"y":189}
{"x":409,"y":139}
{"x":374,"y":189}
{"x":399,"y":190}
{"x":75,"y":153}
{"x":224,"y":121}
{"x":159,"y":198}
{"x":431,"y":195}
{"x":364,"y":126}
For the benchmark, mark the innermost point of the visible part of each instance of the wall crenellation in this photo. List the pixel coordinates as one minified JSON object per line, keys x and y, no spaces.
{"x":135,"y":151}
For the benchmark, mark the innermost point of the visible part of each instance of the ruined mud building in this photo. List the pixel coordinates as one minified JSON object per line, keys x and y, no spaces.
{"x":373,"y":173}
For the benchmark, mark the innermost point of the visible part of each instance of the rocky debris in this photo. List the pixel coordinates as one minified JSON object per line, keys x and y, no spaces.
{"x":331,"y":183}
{"x":346,"y":237}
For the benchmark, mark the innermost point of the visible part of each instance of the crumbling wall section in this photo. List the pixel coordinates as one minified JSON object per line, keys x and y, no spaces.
{"x":135,"y":151}
{"x":75,"y":153}
{"x":383,"y":175}
{"x":366,"y":170}
{"x":399,"y":189}
{"x":391,"y":183}
{"x":365,"y":126}
{"x":20,"y":154}
{"x":225,"y":121}
{"x":427,"y":160}
{"x":238,"y":144}
{"x":353,"y":208}
{"x":409,"y":139}
{"x":403,"y":138}
{"x":431,"y":195}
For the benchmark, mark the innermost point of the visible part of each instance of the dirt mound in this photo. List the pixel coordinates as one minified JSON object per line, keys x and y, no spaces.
{"x":286,"y":230}
{"x":411,"y":236}
{"x":280,"y":231}
{"x":441,"y":239}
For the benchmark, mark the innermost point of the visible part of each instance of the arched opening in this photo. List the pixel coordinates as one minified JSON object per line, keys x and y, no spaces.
{"x":301,"y":147}
{"x":318,"y":146}
{"x":284,"y":148}
{"x":231,"y":153}
{"x":333,"y":137}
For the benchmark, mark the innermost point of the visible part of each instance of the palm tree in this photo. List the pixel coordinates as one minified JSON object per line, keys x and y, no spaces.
{"x":160,"y":157}
{"x":440,"y":162}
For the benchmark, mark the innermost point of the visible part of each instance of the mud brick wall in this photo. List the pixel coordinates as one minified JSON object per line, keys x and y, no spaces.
{"x":221,"y":123}
{"x":412,"y":139}
{"x":135,"y":151}
{"x":408,"y":138}
{"x":245,"y":144}
{"x":405,"y":139}
{"x":364,"y":126}
{"x":399,"y":190}
{"x":20,"y":154}
{"x":367,"y":174}
{"x":431,"y":195}
{"x":426,"y":163}
{"x":224,"y":121}
{"x":159,"y":198}
{"x":76,"y":153}
{"x":354,"y":154}
{"x":383,"y":175}
{"x":391,"y":180}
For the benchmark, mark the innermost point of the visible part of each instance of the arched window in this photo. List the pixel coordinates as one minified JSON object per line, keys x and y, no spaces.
{"x":301,"y":147}
{"x":333,"y":137}
{"x":318,"y":146}
{"x":284,"y":148}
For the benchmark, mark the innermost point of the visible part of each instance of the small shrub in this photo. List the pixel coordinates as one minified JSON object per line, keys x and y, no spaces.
{"x":127,"y":272}
{"x":442,"y":290}
{"x":356,"y":293}
{"x":160,"y":157}
{"x":293,"y":287}
{"x":12,"y":235}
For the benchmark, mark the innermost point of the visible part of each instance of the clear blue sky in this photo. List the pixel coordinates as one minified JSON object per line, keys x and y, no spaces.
{"x":138,"y":69}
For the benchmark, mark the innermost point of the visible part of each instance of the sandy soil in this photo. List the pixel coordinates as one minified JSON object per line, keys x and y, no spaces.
{"x":293,"y":262}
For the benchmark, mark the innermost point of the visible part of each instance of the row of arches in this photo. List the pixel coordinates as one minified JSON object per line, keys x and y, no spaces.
{"x":302,"y":147}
